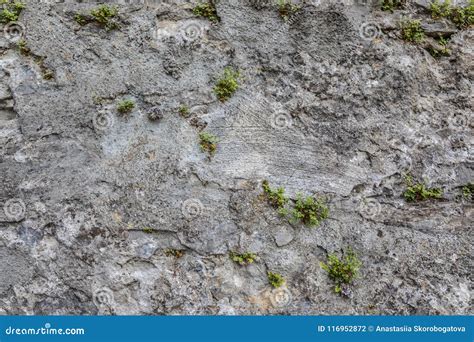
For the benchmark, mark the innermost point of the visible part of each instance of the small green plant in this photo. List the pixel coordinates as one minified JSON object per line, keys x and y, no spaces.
{"x":147,"y":230}
{"x":276,"y":280}
{"x":342,"y":271}
{"x":412,"y":31}
{"x":207,"y":10}
{"x":286,"y":8}
{"x":391,"y":5}
{"x":125,"y":106}
{"x":468,"y":191}
{"x":440,"y":10}
{"x":276,"y":197}
{"x":81,"y":19}
{"x":23,"y":47}
{"x":106,"y":16}
{"x":442,"y":50}
{"x":419,"y":191}
{"x":463,"y":17}
{"x":208,"y":142}
{"x":227,"y":85}
{"x":309,"y":210}
{"x":174,"y":253}
{"x":243,"y":259}
{"x":10,"y":11}
{"x":183,"y":110}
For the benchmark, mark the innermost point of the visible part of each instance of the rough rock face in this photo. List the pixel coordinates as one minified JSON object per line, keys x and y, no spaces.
{"x":331,"y":103}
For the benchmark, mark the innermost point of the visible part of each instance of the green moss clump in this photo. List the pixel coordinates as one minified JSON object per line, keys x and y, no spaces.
{"x":125,"y":106}
{"x":412,"y":31}
{"x":243,"y":259}
{"x":10,"y":11}
{"x":227,"y":85}
{"x":391,"y":5}
{"x":419,"y":192}
{"x":468,"y":191}
{"x":342,"y":271}
{"x":276,"y":197}
{"x":81,"y":19}
{"x":309,"y":210}
{"x":276,"y":280}
{"x":207,"y":10}
{"x":208,"y":142}
{"x":105,"y":16}
{"x":147,"y":230}
{"x":23,"y":47}
{"x":440,"y":10}
{"x":174,"y":253}
{"x":183,"y":110}
{"x":442,"y":50}
{"x":463,"y":17}
{"x":286,"y":8}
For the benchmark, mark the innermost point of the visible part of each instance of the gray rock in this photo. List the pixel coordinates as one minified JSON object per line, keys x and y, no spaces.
{"x":437,"y":28}
{"x":331,"y":103}
{"x":284,"y":236}
{"x":154,"y":114}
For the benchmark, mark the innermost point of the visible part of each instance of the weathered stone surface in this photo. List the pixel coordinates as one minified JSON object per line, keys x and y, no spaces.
{"x":330,"y":103}
{"x":284,"y":236}
{"x":437,"y":28}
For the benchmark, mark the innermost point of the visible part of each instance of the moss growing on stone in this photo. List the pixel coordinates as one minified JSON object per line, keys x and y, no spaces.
{"x":23,"y":47}
{"x":463,"y":17}
{"x":227,"y":85}
{"x":183,"y":110}
{"x":10,"y":11}
{"x":276,"y":197}
{"x":342,"y":271}
{"x":243,"y":259}
{"x":309,"y":211}
{"x":412,"y":31}
{"x":420,"y":192}
{"x":286,"y":8}
{"x":440,"y":9}
{"x":468,"y":191}
{"x":207,"y":10}
{"x":208,"y":142}
{"x":174,"y":253}
{"x":125,"y":106}
{"x":106,"y":16}
{"x":391,"y":5}
{"x":441,"y":49}
{"x":276,"y":280}
{"x":81,"y":19}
